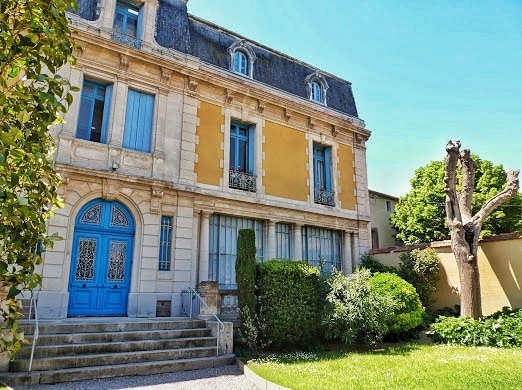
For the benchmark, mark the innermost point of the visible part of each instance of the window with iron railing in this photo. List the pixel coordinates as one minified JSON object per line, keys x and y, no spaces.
{"x":241,"y":173}
{"x":165,"y":243}
{"x":323,"y":193}
{"x":127,"y":25}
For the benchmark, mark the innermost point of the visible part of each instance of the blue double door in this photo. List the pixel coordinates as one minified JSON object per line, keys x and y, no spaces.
{"x":101,"y":261}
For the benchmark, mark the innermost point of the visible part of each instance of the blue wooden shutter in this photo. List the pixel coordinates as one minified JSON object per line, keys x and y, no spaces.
{"x":138,"y":121}
{"x":83,"y":128}
{"x":328,"y":169}
{"x":251,"y":149}
{"x":106,"y":112}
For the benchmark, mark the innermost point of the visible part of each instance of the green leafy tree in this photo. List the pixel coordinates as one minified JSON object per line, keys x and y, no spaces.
{"x":420,"y":214}
{"x":35,"y":41}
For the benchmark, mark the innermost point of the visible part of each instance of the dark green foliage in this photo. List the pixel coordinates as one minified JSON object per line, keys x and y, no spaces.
{"x":246,"y":270}
{"x":407,"y":309}
{"x":371,"y":263}
{"x":420,"y":215}
{"x":290,"y":302}
{"x":502,"y":329}
{"x":35,"y":42}
{"x":420,"y":267}
{"x":354,"y":310}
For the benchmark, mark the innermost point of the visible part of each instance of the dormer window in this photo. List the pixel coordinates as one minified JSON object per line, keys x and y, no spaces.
{"x":127,"y":25}
{"x":316,"y":92}
{"x":316,"y":88}
{"x":242,"y":58}
{"x":240,"y":63}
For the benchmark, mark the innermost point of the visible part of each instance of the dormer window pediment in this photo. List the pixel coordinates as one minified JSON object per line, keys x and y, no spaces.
{"x":242,"y":58}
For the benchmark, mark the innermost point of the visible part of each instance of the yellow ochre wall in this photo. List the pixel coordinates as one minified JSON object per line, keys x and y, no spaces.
{"x":285,"y":162}
{"x":500,"y":268}
{"x":346,"y":177}
{"x":208,"y":148}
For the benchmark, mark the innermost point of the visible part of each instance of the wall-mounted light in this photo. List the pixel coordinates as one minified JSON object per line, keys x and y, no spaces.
{"x":115,"y":166}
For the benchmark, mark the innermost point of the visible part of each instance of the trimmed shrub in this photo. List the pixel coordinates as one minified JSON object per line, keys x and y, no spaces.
{"x":371,"y":263}
{"x":501,"y":329}
{"x":420,"y":268}
{"x":407,"y":309}
{"x":354,"y":310}
{"x":290,"y":300}
{"x":246,"y":270}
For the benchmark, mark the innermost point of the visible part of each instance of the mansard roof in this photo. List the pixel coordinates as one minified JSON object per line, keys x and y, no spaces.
{"x":176,"y":29}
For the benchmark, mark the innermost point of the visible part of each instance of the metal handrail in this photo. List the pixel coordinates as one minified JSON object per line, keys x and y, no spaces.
{"x":221,"y":327}
{"x":36,"y":329}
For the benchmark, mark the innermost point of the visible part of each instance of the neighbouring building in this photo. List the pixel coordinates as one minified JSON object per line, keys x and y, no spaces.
{"x":183,"y":133}
{"x":381,"y":207}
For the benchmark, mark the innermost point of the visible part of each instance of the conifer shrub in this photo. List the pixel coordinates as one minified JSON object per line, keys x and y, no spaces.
{"x":289,"y":294}
{"x":407,"y":308}
{"x":246,"y":275}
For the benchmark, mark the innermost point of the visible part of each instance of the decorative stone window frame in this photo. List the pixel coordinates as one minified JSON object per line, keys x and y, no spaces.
{"x":233,"y":115}
{"x":244,"y":47}
{"x":321,"y":139}
{"x":318,"y":78}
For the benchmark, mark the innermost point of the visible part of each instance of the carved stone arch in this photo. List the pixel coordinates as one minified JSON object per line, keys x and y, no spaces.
{"x":244,"y":47}
{"x":318,"y":78}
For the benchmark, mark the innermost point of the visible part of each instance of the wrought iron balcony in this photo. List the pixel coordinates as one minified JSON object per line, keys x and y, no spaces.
{"x":241,"y":180}
{"x":126,"y":40}
{"x":322,"y":196}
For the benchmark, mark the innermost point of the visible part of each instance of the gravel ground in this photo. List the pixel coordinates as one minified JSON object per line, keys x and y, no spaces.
{"x":217,"y":378}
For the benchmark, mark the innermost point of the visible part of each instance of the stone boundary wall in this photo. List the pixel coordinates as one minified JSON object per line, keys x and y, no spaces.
{"x":500,"y":266}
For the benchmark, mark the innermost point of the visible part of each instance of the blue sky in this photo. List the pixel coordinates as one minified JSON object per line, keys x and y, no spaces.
{"x":422,"y":71}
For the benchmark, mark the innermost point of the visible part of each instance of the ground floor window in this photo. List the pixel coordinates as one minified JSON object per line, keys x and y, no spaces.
{"x":283,"y":240}
{"x":223,"y":247}
{"x":322,"y":247}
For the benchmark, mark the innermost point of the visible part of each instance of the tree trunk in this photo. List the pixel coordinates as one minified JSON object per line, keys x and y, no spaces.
{"x":470,"y":299}
{"x":465,"y":227}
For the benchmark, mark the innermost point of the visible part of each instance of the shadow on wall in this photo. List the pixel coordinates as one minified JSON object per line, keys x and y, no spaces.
{"x":505,"y":260}
{"x":449,"y":282}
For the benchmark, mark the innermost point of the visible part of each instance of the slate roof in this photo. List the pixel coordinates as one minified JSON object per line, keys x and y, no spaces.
{"x":176,"y":29}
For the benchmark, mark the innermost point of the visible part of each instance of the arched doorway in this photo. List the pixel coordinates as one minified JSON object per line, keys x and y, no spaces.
{"x":101,"y":260}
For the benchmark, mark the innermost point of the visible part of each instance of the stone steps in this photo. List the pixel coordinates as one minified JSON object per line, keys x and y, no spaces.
{"x":78,"y":349}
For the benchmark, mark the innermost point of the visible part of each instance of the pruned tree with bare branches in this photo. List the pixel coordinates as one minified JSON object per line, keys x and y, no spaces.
{"x":465,"y":227}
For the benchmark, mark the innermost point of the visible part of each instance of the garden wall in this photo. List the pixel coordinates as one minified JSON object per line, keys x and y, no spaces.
{"x":500,"y":265}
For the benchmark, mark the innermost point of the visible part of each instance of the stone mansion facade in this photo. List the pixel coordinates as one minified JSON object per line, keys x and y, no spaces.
{"x":183,"y":133}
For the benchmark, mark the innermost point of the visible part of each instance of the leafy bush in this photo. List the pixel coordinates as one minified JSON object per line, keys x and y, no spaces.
{"x":420,"y":267}
{"x":290,"y":302}
{"x":502,"y":329}
{"x":355,"y":311}
{"x":371,"y":263}
{"x":407,"y":310}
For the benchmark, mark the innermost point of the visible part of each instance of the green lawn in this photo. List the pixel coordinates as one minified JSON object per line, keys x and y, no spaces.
{"x":411,"y":366}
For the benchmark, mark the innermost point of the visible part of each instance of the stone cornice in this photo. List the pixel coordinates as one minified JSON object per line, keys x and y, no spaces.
{"x":195,"y":68}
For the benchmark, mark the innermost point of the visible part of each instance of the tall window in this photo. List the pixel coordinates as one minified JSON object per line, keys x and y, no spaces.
{"x":223,"y":247}
{"x":165,"y":243}
{"x":283,"y":241}
{"x":322,"y":247}
{"x":323,"y":193}
{"x":389,"y":206}
{"x":138,"y":121}
{"x":127,"y":25}
{"x":240,"y":62}
{"x":94,"y":112}
{"x":241,"y":172}
{"x":316,"y":92}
